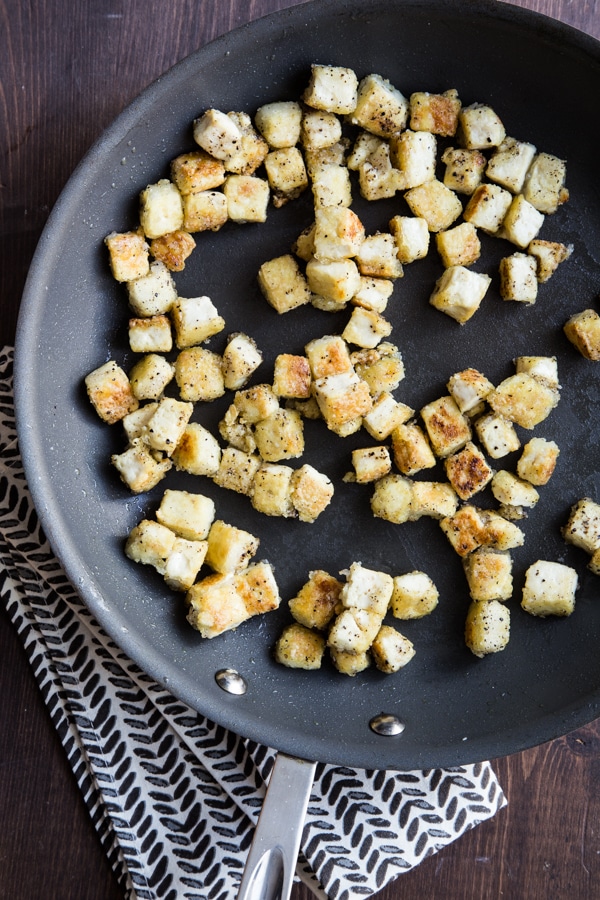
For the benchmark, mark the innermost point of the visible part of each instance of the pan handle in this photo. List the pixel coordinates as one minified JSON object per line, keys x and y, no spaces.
{"x":271,"y":863}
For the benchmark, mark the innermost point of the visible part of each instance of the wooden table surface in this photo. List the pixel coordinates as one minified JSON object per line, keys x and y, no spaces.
{"x":65,"y":71}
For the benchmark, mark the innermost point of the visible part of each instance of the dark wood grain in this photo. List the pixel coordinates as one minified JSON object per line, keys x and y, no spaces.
{"x":66,"y":69}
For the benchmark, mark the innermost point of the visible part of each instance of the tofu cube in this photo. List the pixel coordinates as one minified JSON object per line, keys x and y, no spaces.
{"x":367,"y":589}
{"x":392,"y":498}
{"x":230,"y":549}
{"x":370,"y":463}
{"x":197,"y":172}
{"x":173,"y":249}
{"x":258,"y":587}
{"x":150,"y":544}
{"x":183,"y":564}
{"x":279,"y":123}
{"x":437,"y":113}
{"x":510,"y":163}
{"x":247,"y":198}
{"x":215,"y":605}
{"x":189,"y":516}
{"x":489,"y":574}
{"x":151,"y":334}
{"x":165,"y":427}
{"x":199,"y":375}
{"x":521,"y":223}
{"x":499,"y":532}
{"x":543,"y":367}
{"x":583,"y":525}
{"x":382,"y":368}
{"x":271,"y":490}
{"x":138,"y":468}
{"x":411,"y":448}
{"x":448,"y":429}
{"x":236,"y":431}
{"x":459,"y":246}
{"x":300,"y":648}
{"x":464,"y":169}
{"x":465,"y":529}
{"x":135,"y":422}
{"x":332,"y":88}
{"x":366,"y":328}
{"x":198,"y":451}
{"x":111,"y":392}
{"x":317,"y":158}
{"x":373,"y":293}
{"x":364,"y":146}
{"x":468,"y":471}
{"x":280,"y":436}
{"x":283,"y":284}
{"x":237,"y":469}
{"x":434,"y":499}
{"x":548,"y":256}
{"x":351,"y":664}
{"x":342,"y":399}
{"x":256,"y":402}
{"x":538,"y":461}
{"x":468,"y":388}
{"x":390,"y":650}
{"x":480,"y":128}
{"x":459,"y":291}
{"x":152,"y":294}
{"x":204,"y":211}
{"x":315,"y":603}
{"x":286,"y":174}
{"x":195,"y":319}
{"x":509,"y":490}
{"x":411,"y":235}
{"x":319,"y":129}
{"x":497,"y":435}
{"x":487,"y":627}
{"x":250,"y":151}
{"x":338,"y":233}
{"x":150,"y":376}
{"x":128,"y":255}
{"x":346,"y":634}
{"x":328,"y":355}
{"x":544,"y":185}
{"x":385,"y":415}
{"x":218,"y":134}
{"x":241,"y":358}
{"x":291,"y":376}
{"x":583,"y":331}
{"x":549,"y":589}
{"x":331,"y":186}
{"x":487,"y":207}
{"x":378,"y":256}
{"x":336,"y":280}
{"x":524,"y":400}
{"x":311,"y":492}
{"x":161,"y":209}
{"x":378,"y":178}
{"x":435,"y":203}
{"x":414,"y":155}
{"x":381,"y":109}
{"x":414,"y":596}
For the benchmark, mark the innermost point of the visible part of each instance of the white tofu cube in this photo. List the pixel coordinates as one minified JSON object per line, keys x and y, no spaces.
{"x":487,"y":627}
{"x":509,"y":490}
{"x":247,"y":198}
{"x":390,"y":650}
{"x":469,"y":388}
{"x":331,"y":186}
{"x":411,"y":234}
{"x":279,"y":123}
{"x":111,"y":392}
{"x":256,"y":402}
{"x":521,"y":223}
{"x":549,"y":589}
{"x":217,"y":133}
{"x":337,"y":280}
{"x":128,"y":255}
{"x":241,"y":358}
{"x":480,"y":128}
{"x":538,"y":461}
{"x":342,"y":399}
{"x":189,"y":515}
{"x":319,"y":129}
{"x":497,"y":435}
{"x":161,"y":209}
{"x":459,"y":291}
{"x":543,"y":367}
{"x":152,"y":294}
{"x":283,"y":284}
{"x":414,"y":154}
{"x":165,"y":427}
{"x":370,"y":463}
{"x":380,"y":107}
{"x":367,"y":589}
{"x":138,"y":468}
{"x":237,"y":469}
{"x":183,"y":564}
{"x":487,"y":207}
{"x":378,"y":178}
{"x":373,"y":293}
{"x":280,"y":436}
{"x":510,"y":163}
{"x":518,"y":280}
{"x":437,"y":500}
{"x":366,"y":328}
{"x":524,"y":400}
{"x":338,"y":233}
{"x":392,"y":498}
{"x":544,"y":185}
{"x":458,"y":246}
{"x":150,"y":376}
{"x":286,"y":174}
{"x":332,"y":88}
{"x":435,"y":203}
{"x":230,"y":549}
{"x":489,"y":574}
{"x":414,"y":596}
{"x":195,"y":319}
{"x":199,"y":375}
{"x":583,"y":331}
{"x":464,"y":169}
{"x":311,"y":492}
{"x":204,"y":211}
{"x":198,"y":451}
{"x":378,"y":256}
{"x":583,"y":525}
{"x":385,"y":415}
{"x":150,"y":335}
{"x":271,"y":490}
{"x":150,"y":544}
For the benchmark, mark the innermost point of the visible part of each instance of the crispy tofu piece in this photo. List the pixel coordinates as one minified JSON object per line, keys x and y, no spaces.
{"x":487,"y":627}
{"x":161,"y":209}
{"x":315,"y":603}
{"x":299,"y":647}
{"x":392,"y":498}
{"x":366,"y":328}
{"x":390,"y":650}
{"x":487,"y":207}
{"x":511,"y":491}
{"x":338,"y":233}
{"x":521,"y":223}
{"x":378,"y":256}
{"x":237,"y":469}
{"x":480,"y":128}
{"x":538,"y":461}
{"x":382,"y":368}
{"x":218,"y":134}
{"x":342,"y":399}
{"x":279,"y":123}
{"x":350,"y":664}
{"x":353,"y":630}
{"x":271,"y":490}
{"x":215,"y":605}
{"x":196,"y":172}
{"x":152,"y":294}
{"x":283,"y":284}
{"x":437,"y":113}
{"x":195,"y":319}
{"x":256,"y":402}
{"x":311,"y":492}
{"x":230,"y":549}
{"x":364,"y":146}
{"x":138,"y":468}
{"x":468,"y":388}
{"x":583,"y":331}
{"x":332,"y":88}
{"x":151,"y":334}
{"x":465,"y":529}
{"x":135,"y":422}
{"x":411,"y":449}
{"x":583,"y":525}
{"x":544,"y":185}
{"x":199,"y":374}
{"x":184,"y":562}
{"x":198,"y":451}
{"x":414,"y":595}
{"x":523,"y":399}
{"x":434,"y":499}
{"x":509,"y":164}
{"x":411,"y":235}
{"x":386,"y":414}
{"x":335,"y":280}
{"x":248,"y":154}
{"x":370,"y":463}
{"x":128,"y":255}
{"x":189,"y":516}
{"x":378,"y":178}
{"x":286,"y":174}
{"x":331,"y":186}
{"x":150,"y":544}
{"x":594,"y":563}
{"x":548,"y":256}
{"x":545,"y":368}
{"x":381,"y":109}
{"x":111,"y":392}
{"x":489,"y":574}
{"x":468,"y":471}
{"x":280,"y":435}
{"x":499,"y":532}
{"x":414,"y":155}
{"x":236,"y":431}
{"x":304,"y":245}
{"x":435,"y":203}
{"x":328,"y":355}
{"x":165,"y":427}
{"x":367,"y":589}
{"x":291,"y":376}
{"x":459,"y":291}
{"x":448,"y":429}
{"x":150,"y":376}
{"x":463,"y":169}
{"x":459,"y":246}
{"x":549,"y":589}
{"x":317,"y":158}
{"x":497,"y":434}
{"x":173,"y":249}
{"x":241,"y":358}
{"x":247,"y":198}
{"x":204,"y":211}
{"x":319,"y":129}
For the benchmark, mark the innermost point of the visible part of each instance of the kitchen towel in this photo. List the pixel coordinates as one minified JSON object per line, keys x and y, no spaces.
{"x":175,"y":797}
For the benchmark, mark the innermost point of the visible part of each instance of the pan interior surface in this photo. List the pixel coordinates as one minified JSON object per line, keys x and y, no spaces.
{"x":456,"y":708}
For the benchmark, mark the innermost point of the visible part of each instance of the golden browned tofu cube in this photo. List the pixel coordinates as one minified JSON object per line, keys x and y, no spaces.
{"x":342,"y":399}
{"x":230,"y":549}
{"x":392,"y":498}
{"x":333,"y":88}
{"x":138,"y":468}
{"x":256,"y":402}
{"x":382,"y":368}
{"x":543,"y":367}
{"x":328,"y":355}
{"x":487,"y":627}
{"x":286,"y":174}
{"x":237,"y":469}
{"x":195,"y":319}
{"x":480,"y":128}
{"x":161,"y":209}
{"x":366,"y":328}
{"x":134,"y":423}
{"x":150,"y":335}
{"x":279,"y":123}
{"x":510,"y":490}
{"x":319,"y":129}
{"x":549,"y":589}
{"x":241,"y":358}
{"x":521,"y":223}
{"x":583,"y":526}
{"x":466,"y":530}
{"x":437,"y":113}
{"x":204,"y":211}
{"x":271,"y":490}
{"x":338,"y":233}
{"x":331,"y":186}
{"x":218,"y":134}
{"x":291,"y":376}
{"x":370,"y":463}
{"x":111,"y":392}
{"x":548,"y":256}
{"x":250,"y":151}
{"x":468,"y":471}
{"x":487,"y":207}
{"x":411,"y":234}
{"x":524,"y":400}
{"x":150,"y":544}
{"x":349,"y":663}
{"x":464,"y":169}
{"x":150,"y":376}
{"x":378,"y":178}
{"x":247,"y":198}
{"x":283,"y":284}
{"x":544,"y":185}
{"x":299,"y":647}
{"x":215,"y":605}
{"x":390,"y":650}
{"x":459,"y":291}
{"x":411,"y":448}
{"x":459,"y":246}
{"x":334,"y":280}
{"x":499,"y":532}
{"x":311,"y":492}
{"x":518,"y":279}
{"x":381,"y":109}
{"x":280,"y":436}
{"x":198,"y":451}
{"x":236,"y":431}
{"x":538,"y":461}
{"x":435,"y":203}
{"x":128,"y":255}
{"x":414,"y":596}
{"x":497,"y":435}
{"x":173,"y":249}
{"x":437,"y":500}
{"x":367,"y":589}
{"x":448,"y":429}
{"x":197,"y":171}
{"x":510,"y":163}
{"x":315,"y":603}
{"x":199,"y":374}
{"x":184,"y":562}
{"x":354,"y":630}
{"x":153,"y":294}
{"x":489,"y":574}
{"x":165,"y":427}
{"x":188,"y":515}
{"x":413,"y":154}
{"x":378,"y":256}
{"x":385,"y":415}
{"x":468,"y":388}
{"x":583,"y":331}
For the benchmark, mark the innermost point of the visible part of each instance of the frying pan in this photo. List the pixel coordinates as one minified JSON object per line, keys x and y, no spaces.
{"x":540,"y":77}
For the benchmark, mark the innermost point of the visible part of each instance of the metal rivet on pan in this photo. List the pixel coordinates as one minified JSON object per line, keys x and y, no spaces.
{"x":231,"y":681}
{"x":387,"y":725}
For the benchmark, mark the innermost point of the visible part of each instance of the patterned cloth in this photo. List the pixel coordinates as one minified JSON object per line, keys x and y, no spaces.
{"x":173,"y":796}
